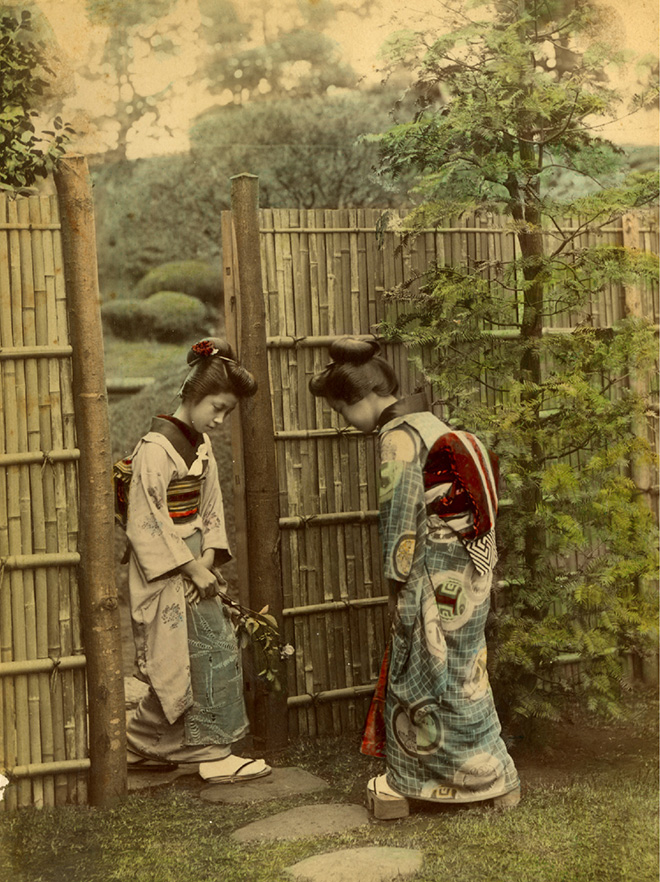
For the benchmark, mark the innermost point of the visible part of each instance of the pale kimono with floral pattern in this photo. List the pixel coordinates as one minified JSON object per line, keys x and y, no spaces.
{"x":158,"y":549}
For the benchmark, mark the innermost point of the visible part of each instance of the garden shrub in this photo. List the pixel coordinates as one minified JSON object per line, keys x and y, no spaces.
{"x":125,"y":319}
{"x":173,"y":317}
{"x":192,"y":277}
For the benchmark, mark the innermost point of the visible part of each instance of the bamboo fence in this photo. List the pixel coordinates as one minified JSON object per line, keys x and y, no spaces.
{"x":43,"y":733}
{"x":325,"y":275}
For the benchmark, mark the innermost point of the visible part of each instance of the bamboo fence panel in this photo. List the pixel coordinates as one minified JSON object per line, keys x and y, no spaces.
{"x":325,"y":275}
{"x":43,"y":734}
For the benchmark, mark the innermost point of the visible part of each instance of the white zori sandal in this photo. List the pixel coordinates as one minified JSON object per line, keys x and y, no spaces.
{"x":233,"y":769}
{"x":385,"y":803}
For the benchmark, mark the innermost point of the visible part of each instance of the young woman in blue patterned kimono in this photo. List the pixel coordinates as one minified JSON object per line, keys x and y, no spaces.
{"x":438,"y":501}
{"x":186,"y":648}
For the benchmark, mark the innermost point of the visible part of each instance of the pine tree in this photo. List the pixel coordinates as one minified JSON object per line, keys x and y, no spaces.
{"x":504,"y":103}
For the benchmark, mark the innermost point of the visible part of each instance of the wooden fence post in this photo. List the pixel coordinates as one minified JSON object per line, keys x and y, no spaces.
{"x":232,"y":332}
{"x":261,"y":490}
{"x":99,"y":605}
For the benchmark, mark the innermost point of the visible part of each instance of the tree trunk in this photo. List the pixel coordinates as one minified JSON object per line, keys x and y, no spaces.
{"x":532,"y":252}
{"x":260,"y":466}
{"x":98,"y":594}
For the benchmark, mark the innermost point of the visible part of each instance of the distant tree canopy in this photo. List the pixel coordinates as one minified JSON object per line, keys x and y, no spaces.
{"x":307,"y":152}
{"x":135,"y":27}
{"x":28,"y":150}
{"x":300,"y":64}
{"x":270,"y":49}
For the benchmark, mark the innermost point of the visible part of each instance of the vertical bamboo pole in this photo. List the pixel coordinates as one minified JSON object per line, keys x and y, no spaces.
{"x":28,"y":411}
{"x":100,"y":612}
{"x":12,"y":623}
{"x":259,"y":450}
{"x":639,"y":383}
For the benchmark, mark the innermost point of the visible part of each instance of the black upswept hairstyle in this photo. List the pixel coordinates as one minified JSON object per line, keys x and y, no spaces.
{"x":356,"y":369}
{"x":214,"y":369}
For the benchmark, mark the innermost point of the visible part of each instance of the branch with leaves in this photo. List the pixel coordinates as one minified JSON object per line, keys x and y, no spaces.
{"x":28,"y":149}
{"x":260,"y":629}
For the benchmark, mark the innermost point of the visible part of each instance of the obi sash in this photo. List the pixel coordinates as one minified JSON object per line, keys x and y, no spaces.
{"x":183,"y":494}
{"x":460,"y":476}
{"x":183,"y":498}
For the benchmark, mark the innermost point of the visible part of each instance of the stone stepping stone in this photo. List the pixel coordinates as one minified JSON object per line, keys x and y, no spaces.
{"x":282,"y":782}
{"x":371,"y":864}
{"x":154,"y":780}
{"x":304,"y":821}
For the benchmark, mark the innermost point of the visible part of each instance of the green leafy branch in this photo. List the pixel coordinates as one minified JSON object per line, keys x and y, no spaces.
{"x":26,"y":152}
{"x":261,"y":630}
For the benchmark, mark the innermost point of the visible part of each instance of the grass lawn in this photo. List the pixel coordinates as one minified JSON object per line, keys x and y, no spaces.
{"x":130,"y":358}
{"x":592,"y":818}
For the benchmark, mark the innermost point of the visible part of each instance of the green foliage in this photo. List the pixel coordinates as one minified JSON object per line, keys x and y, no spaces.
{"x":563,"y":410}
{"x":138,"y":209}
{"x":307,"y":152}
{"x":27,"y":150}
{"x":172,"y":317}
{"x":260,"y":631}
{"x":124,"y":319}
{"x":168,"y":316}
{"x":191,"y":277}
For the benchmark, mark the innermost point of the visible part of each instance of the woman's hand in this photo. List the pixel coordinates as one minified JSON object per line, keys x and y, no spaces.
{"x":208,"y":560}
{"x":204,"y":585}
{"x":190,"y":592}
{"x":222,"y":582}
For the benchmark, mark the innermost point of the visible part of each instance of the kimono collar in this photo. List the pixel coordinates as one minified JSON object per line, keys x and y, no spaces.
{"x":411,"y":404}
{"x":182,"y":438}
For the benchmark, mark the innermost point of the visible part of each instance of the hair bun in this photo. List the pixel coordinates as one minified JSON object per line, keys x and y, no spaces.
{"x":353,"y":350}
{"x":208,"y":347}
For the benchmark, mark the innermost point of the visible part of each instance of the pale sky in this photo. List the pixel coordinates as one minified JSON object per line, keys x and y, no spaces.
{"x":360,"y":40}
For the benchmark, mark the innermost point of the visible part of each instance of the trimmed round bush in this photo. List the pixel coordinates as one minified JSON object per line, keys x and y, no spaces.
{"x":191,"y":277}
{"x":125,"y":319}
{"x":173,"y":317}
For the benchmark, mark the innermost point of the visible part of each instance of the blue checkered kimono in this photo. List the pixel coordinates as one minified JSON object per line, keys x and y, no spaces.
{"x":443,"y":738}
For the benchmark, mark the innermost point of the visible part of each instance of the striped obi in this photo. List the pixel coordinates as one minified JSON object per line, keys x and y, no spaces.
{"x":183,"y":498}
{"x":183,"y":495}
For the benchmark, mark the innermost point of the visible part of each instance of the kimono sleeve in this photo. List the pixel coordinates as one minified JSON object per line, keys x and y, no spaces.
{"x":149,"y":528}
{"x":401,"y":501}
{"x":214,"y":533}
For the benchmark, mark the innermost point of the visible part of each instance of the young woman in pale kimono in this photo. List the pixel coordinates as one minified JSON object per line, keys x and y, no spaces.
{"x":186,"y":649}
{"x":433,"y":716}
